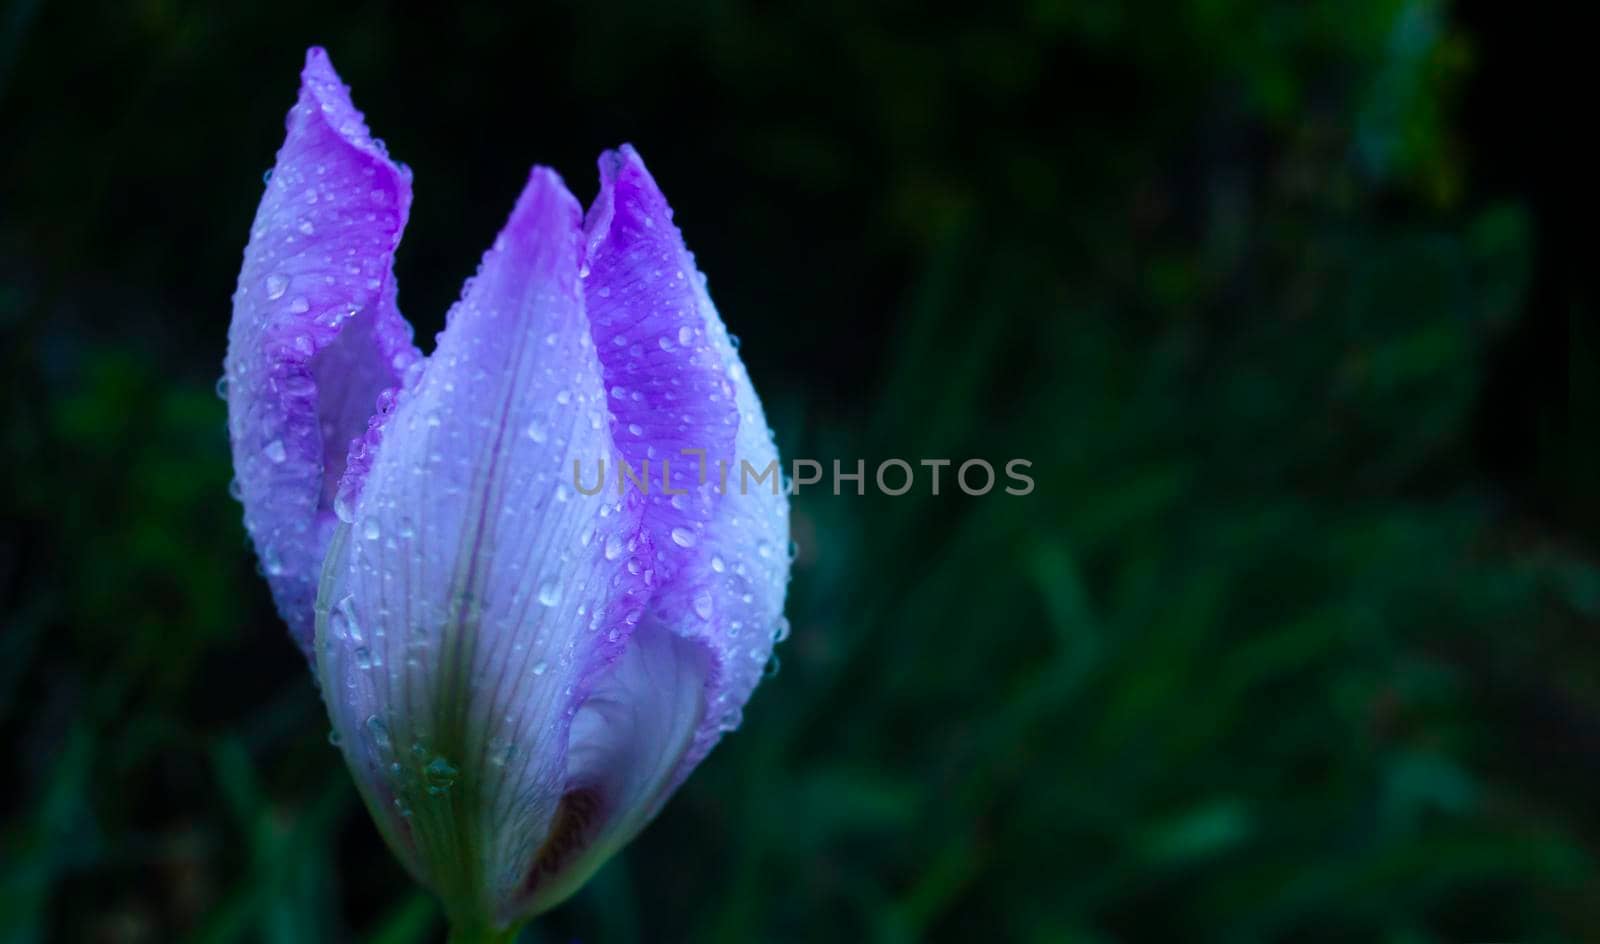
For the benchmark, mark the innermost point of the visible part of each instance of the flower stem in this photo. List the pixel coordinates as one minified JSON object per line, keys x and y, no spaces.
{"x":460,"y":934}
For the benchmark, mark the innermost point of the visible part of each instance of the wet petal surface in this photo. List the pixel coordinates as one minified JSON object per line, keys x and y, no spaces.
{"x":675,"y":382}
{"x":479,"y":596}
{"x":316,"y":337}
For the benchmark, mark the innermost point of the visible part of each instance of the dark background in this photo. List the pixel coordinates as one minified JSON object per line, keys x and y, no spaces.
{"x":1287,"y":303}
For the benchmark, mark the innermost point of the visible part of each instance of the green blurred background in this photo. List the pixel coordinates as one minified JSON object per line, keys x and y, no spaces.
{"x":1295,"y":640}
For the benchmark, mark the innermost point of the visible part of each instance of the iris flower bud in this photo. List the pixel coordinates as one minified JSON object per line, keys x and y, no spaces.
{"x":520,"y":671}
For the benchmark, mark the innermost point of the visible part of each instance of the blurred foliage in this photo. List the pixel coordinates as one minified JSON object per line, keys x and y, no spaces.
{"x":1282,"y":647}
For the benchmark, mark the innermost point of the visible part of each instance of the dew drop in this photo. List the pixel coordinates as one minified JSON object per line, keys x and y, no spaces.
{"x":683,"y":537}
{"x":440,"y":775}
{"x":380,"y":732}
{"x":549,"y":593}
{"x":276,"y":286}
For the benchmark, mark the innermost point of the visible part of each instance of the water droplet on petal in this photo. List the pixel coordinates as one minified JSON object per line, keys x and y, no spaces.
{"x":275,"y":451}
{"x":683,"y":537}
{"x":276,"y":286}
{"x":549,"y":593}
{"x":380,"y":732}
{"x":440,"y":775}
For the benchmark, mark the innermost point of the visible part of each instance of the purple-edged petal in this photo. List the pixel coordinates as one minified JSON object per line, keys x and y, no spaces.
{"x":668,"y":386}
{"x":316,"y":336}
{"x":674,"y":382}
{"x":475,"y":598}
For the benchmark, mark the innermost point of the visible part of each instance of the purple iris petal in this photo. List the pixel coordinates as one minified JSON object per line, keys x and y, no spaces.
{"x":519,"y":672}
{"x":724,"y":569}
{"x":316,"y":336}
{"x":477,"y":595}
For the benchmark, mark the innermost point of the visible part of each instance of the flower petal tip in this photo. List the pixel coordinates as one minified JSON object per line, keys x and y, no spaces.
{"x":325,"y":97}
{"x":624,"y":168}
{"x":545,"y":224}
{"x":545,"y":192}
{"x":626,"y":186}
{"x":623,"y":155}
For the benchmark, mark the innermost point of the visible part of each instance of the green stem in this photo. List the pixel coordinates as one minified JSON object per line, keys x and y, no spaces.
{"x":482,"y":935}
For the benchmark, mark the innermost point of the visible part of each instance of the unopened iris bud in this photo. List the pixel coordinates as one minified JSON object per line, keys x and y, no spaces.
{"x":519,"y":675}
